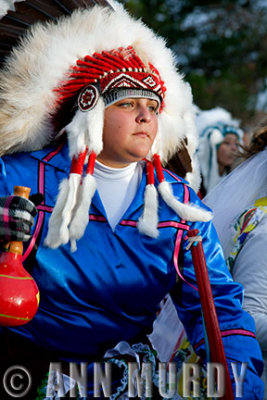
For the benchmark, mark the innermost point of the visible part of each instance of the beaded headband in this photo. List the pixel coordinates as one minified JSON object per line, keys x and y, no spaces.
{"x":114,"y":74}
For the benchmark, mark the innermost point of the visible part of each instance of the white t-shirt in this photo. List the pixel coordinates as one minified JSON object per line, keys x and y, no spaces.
{"x":117,"y":188}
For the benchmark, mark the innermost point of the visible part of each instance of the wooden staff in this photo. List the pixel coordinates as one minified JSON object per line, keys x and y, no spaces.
{"x":209,"y":311}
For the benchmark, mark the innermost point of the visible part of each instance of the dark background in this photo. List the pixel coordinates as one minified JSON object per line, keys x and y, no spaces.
{"x":221,"y":48}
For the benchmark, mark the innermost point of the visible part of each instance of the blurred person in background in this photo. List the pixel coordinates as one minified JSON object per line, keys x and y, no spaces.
{"x":219,"y":139}
{"x":103,"y":94}
{"x":239,"y":203}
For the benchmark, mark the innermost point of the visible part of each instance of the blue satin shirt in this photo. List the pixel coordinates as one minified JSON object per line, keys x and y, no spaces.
{"x":110,"y":288}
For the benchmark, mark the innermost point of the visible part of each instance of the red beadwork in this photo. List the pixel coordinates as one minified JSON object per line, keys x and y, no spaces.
{"x":102,"y":67}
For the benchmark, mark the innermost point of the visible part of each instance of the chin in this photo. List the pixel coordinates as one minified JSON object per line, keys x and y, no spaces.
{"x":141,"y":153}
{"x":140,"y":157}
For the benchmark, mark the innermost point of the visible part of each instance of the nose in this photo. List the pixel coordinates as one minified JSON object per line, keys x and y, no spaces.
{"x":234,"y":147}
{"x":143,"y":115}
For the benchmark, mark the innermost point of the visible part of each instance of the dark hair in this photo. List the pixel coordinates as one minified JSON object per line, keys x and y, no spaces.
{"x":180,"y":162}
{"x":258,"y":141}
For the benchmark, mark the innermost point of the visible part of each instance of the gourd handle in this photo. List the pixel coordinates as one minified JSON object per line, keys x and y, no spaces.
{"x":22,"y":191}
{"x":16,"y":246}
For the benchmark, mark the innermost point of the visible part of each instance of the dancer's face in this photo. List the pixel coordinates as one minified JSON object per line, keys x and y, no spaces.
{"x":227,"y":150}
{"x":130,"y":127}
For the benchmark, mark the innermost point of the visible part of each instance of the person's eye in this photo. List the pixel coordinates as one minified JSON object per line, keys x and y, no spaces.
{"x":152,"y":107}
{"x":126,"y":104}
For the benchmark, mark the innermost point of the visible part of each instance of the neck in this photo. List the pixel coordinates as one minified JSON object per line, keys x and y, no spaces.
{"x":112,"y":171}
{"x":112,"y":164}
{"x":221,"y":170}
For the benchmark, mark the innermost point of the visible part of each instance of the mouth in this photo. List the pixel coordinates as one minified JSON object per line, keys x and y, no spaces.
{"x":141,"y":134}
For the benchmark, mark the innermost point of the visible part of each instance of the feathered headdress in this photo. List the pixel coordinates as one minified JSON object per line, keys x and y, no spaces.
{"x":212,"y":127}
{"x":92,"y":58}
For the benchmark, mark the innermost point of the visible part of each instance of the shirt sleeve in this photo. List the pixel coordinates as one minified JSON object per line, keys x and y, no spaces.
{"x":250,"y":269}
{"x":236,"y":325}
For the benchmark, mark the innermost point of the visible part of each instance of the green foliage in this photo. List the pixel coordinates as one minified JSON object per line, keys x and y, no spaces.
{"x":221,"y":47}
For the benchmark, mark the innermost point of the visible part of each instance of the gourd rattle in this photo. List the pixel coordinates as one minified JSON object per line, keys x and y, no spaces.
{"x":19,"y":294}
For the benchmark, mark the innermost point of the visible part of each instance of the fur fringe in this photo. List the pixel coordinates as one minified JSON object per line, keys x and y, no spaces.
{"x":184,"y":211}
{"x":148,"y":222}
{"x":86,"y":129}
{"x":53,"y":239}
{"x":70,"y":203}
{"x":58,"y":231}
{"x":95,"y":124}
{"x":28,"y":104}
{"x":76,"y":132}
{"x":81,"y":213}
{"x":38,"y":65}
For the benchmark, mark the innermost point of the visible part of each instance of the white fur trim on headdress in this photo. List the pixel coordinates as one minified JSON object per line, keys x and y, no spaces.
{"x":212,"y":126}
{"x":54,"y":239}
{"x":69,"y":220}
{"x":86,"y":129}
{"x":39,"y":65}
{"x":148,"y":222}
{"x":6,"y":5}
{"x":63,"y":212}
{"x":210,"y":117}
{"x":81,"y":215}
{"x":185,"y":211}
{"x":192,"y":178}
{"x":43,"y":59}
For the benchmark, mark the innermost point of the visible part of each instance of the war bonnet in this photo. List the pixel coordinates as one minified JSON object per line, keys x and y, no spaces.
{"x":80,"y":62}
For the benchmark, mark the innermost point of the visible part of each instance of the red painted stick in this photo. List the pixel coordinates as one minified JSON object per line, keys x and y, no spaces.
{"x":209,"y":312}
